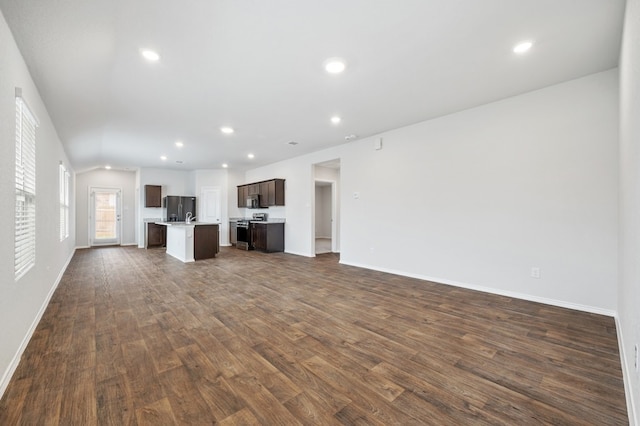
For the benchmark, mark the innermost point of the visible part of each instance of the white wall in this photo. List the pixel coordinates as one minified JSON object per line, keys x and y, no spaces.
{"x":101,"y":178}
{"x":629,"y":288}
{"x":22,"y":303}
{"x":492,"y":191}
{"x":234,"y":178}
{"x":530,"y":181}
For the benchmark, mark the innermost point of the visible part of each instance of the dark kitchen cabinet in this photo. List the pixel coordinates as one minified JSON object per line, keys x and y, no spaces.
{"x":272,"y":193}
{"x":152,"y":196}
{"x":254,"y":189}
{"x":268,"y":237}
{"x":243,"y":192}
{"x":156,"y":235}
{"x":206,"y":241}
{"x":264,"y":194}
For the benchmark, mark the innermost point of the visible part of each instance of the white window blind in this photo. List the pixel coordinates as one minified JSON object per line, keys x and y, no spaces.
{"x":64,"y":202}
{"x":25,"y":225}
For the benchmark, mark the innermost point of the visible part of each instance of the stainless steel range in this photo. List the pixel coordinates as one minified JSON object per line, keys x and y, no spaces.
{"x":243,"y":231}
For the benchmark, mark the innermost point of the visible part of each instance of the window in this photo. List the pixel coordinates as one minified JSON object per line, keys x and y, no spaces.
{"x":25,"y":226}
{"x":64,"y":202}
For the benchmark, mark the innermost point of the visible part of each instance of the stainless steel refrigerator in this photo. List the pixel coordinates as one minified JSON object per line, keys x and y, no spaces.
{"x":175,"y":208}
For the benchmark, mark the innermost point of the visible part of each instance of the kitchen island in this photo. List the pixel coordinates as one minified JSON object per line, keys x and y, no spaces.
{"x":193,"y":241}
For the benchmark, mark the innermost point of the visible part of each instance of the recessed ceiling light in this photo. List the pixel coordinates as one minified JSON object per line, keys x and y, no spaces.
{"x":225,"y":165}
{"x":335,"y":119}
{"x":335,"y":65}
{"x":150,"y":55}
{"x":107,"y":167}
{"x":522,"y":47}
{"x":179,"y":144}
{"x":226,"y":130}
{"x":251,"y":156}
{"x":163,"y":157}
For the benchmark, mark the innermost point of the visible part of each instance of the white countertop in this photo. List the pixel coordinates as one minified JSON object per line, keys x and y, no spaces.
{"x":184,"y":224}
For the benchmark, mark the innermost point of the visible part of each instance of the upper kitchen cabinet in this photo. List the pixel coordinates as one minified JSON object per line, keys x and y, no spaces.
{"x":152,"y":196}
{"x":254,"y":189}
{"x":243,"y":192}
{"x":272,"y":193}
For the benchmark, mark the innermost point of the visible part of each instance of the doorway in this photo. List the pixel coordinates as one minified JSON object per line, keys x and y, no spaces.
{"x":324,"y":217}
{"x":104,"y":216}
{"x":326,"y":212}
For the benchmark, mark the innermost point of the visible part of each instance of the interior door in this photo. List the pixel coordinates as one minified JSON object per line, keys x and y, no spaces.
{"x":210,"y":205}
{"x":104,"y":216}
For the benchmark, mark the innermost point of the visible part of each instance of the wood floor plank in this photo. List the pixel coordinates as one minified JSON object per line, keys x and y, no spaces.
{"x":222,"y":400}
{"x":80,"y":405}
{"x":11,"y":414}
{"x":114,"y":402}
{"x":310,"y":411}
{"x":187,"y":404}
{"x":135,"y":337}
{"x":243,"y":417}
{"x":158,"y":413}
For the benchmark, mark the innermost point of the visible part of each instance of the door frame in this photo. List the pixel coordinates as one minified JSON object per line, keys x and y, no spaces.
{"x":91,"y":219}
{"x":334,"y":213}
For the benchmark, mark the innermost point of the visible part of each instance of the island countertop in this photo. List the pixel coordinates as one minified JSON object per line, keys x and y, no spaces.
{"x":185,"y":223}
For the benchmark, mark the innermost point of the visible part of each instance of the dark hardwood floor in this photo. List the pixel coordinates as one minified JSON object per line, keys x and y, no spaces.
{"x":133,"y":336}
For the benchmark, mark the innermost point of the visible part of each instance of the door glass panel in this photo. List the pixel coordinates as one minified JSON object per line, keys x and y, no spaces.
{"x":106,"y":216}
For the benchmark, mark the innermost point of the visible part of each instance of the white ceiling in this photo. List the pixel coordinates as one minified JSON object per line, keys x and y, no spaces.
{"x":257,"y":66}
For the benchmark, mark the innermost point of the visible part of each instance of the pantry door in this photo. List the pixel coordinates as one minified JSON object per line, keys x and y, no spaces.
{"x":210,"y":208}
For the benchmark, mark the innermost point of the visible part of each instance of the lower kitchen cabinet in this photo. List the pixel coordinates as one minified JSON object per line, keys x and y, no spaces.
{"x":268,"y":237}
{"x":206,"y":241}
{"x":156,"y":235}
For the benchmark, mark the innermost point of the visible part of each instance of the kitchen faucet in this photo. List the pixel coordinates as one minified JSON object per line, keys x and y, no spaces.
{"x":189,"y":217}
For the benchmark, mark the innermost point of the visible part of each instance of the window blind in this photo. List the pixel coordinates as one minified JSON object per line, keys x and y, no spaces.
{"x":25,"y":224}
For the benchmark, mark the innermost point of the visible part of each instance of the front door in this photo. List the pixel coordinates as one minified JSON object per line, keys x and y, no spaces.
{"x":105,"y":216}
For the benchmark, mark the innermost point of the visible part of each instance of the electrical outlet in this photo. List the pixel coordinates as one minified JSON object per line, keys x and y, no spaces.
{"x":535,"y":272}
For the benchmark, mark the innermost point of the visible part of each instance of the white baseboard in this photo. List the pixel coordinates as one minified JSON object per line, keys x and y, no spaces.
{"x":13,"y":365}
{"x":491,"y":290}
{"x":627,"y":374}
{"x":299,"y":253}
{"x":82,"y":247}
{"x":129,"y":244}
